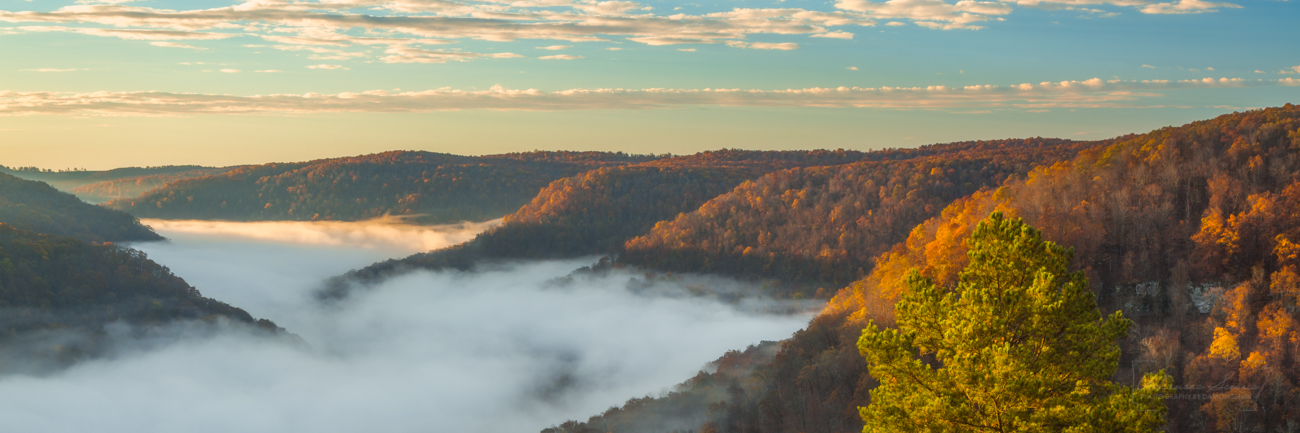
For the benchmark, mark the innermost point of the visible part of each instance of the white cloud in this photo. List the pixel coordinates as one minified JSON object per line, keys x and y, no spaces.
{"x":269,"y":71}
{"x":327,"y":67}
{"x":1148,"y":66}
{"x":560,"y":57}
{"x":936,"y":14}
{"x":1083,"y":93}
{"x":688,"y":50}
{"x":555,"y":47}
{"x":852,"y":68}
{"x":410,"y":24}
{"x":405,"y":54}
{"x":230,"y":71}
{"x":613,"y":49}
{"x":310,"y":23}
{"x":131,"y":34}
{"x":785,"y":46}
{"x":835,"y":35}
{"x":1187,"y":7}
{"x":176,"y":45}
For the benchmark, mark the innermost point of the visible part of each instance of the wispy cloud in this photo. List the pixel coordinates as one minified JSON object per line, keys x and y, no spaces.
{"x":1186,"y":7}
{"x":409,"y":24}
{"x":167,"y":44}
{"x":560,"y":57}
{"x":405,"y":54}
{"x":1086,"y":93}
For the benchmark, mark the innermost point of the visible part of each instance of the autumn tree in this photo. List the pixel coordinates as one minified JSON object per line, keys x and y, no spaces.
{"x":1017,"y":345}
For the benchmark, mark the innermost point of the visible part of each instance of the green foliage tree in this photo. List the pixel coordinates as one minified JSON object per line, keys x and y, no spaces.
{"x":1018,"y":345}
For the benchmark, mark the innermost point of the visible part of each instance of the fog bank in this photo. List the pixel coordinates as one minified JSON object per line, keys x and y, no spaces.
{"x":513,"y":349}
{"x":386,"y":234}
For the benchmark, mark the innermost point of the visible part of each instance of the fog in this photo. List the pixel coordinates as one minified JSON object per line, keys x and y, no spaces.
{"x":517,"y":348}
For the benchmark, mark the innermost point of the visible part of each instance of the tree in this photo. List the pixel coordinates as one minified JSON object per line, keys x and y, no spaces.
{"x":1018,"y":345}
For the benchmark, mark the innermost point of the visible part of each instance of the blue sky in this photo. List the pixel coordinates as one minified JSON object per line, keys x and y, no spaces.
{"x":99,"y":84}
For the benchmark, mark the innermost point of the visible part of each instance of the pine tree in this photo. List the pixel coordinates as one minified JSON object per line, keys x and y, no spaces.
{"x":1017,"y":346}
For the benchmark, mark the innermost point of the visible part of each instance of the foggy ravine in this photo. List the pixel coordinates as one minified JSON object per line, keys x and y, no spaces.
{"x":506,"y":350}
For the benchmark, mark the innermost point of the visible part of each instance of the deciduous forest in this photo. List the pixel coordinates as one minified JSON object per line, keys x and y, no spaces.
{"x":1185,"y":239}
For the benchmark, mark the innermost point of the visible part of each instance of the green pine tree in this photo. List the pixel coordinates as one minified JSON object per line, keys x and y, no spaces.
{"x":1017,"y":346}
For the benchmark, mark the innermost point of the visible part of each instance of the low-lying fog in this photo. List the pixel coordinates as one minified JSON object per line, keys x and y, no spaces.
{"x":505,"y":350}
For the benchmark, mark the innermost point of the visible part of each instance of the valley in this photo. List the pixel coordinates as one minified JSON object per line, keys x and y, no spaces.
{"x":576,"y":292}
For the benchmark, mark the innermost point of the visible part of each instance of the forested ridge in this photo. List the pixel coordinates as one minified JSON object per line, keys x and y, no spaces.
{"x":102,"y":186}
{"x":1188,"y":230}
{"x":57,"y":294}
{"x":824,"y":225}
{"x":38,"y":207}
{"x":596,"y":211}
{"x":599,"y":211}
{"x":425,"y":187}
{"x":64,"y":280}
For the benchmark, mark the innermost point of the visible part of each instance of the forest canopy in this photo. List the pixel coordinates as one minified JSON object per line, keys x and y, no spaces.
{"x":38,"y":207}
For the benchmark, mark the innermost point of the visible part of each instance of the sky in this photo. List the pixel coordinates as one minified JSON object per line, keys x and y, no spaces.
{"x":508,"y":349}
{"x":102,"y":84}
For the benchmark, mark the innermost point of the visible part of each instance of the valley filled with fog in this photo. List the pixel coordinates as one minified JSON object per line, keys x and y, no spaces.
{"x":513,"y":348}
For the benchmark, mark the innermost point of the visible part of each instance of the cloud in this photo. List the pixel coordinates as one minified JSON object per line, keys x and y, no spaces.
{"x":560,"y":57}
{"x":1071,"y":93}
{"x":405,"y":54}
{"x":230,"y":71}
{"x":326,"y":67}
{"x":1148,"y":66}
{"x":688,"y":50}
{"x":386,"y":234}
{"x":406,"y":25}
{"x":505,"y":350}
{"x":269,"y":71}
{"x":131,"y":34}
{"x":176,"y":45}
{"x":835,"y":35}
{"x":555,"y":47}
{"x":935,"y":14}
{"x":785,"y":46}
{"x":409,"y":22}
{"x":1187,"y":7}
{"x":852,"y":68}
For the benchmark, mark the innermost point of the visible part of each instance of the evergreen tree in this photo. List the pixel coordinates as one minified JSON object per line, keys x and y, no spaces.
{"x":1017,"y":346}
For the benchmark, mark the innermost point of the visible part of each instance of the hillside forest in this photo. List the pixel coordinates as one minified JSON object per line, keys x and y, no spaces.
{"x":1186,"y":239}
